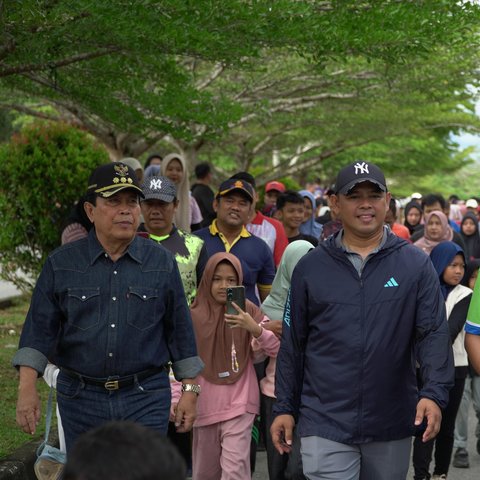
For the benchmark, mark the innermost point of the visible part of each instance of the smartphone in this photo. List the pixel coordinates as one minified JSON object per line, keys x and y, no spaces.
{"x":235,"y":294}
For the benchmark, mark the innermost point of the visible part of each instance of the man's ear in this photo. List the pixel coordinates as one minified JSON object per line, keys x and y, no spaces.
{"x":333,"y":199}
{"x":215,"y":205}
{"x":388,"y":197}
{"x":89,"y":208}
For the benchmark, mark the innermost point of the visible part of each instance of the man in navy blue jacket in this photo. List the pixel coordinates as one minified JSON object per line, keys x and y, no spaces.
{"x":364,"y":306}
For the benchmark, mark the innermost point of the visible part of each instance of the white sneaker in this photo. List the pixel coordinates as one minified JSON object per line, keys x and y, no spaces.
{"x":439,"y":477}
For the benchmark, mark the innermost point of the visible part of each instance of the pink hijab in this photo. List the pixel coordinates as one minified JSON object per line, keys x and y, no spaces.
{"x":426,"y":243}
{"x":214,"y":337}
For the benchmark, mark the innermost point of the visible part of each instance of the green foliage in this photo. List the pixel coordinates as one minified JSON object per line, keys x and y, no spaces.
{"x":146,"y":65}
{"x":239,"y":79}
{"x":11,"y":322}
{"x":6,"y":125}
{"x":463,"y":182}
{"x":44,"y":170}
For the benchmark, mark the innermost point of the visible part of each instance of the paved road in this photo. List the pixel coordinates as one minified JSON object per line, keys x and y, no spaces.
{"x":472,"y":473}
{"x":8,"y":290}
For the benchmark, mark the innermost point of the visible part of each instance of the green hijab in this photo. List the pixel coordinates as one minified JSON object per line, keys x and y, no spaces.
{"x":274,"y":304}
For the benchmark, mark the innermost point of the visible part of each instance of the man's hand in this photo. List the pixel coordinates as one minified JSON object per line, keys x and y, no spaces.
{"x":282,"y":433}
{"x":274,"y":326}
{"x":186,"y":412}
{"x":428,"y":409}
{"x":28,"y":403}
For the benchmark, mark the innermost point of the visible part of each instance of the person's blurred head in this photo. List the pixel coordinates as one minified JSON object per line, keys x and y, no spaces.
{"x":290,"y":209}
{"x":413,"y":215}
{"x":152,"y":171}
{"x":203,"y":171}
{"x":159,"y":205}
{"x":124,"y":451}
{"x":436,"y":226}
{"x":448,"y":261}
{"x":469,"y":225}
{"x":361,"y":200}
{"x":136,"y":165}
{"x":471,"y":273}
{"x":224,"y":276}
{"x":173,"y":168}
{"x":233,"y":204}
{"x":272,"y":191}
{"x":472,"y":205}
{"x":391,"y":215}
{"x":153,"y":159}
{"x":432,"y":202}
{"x":112,"y":203}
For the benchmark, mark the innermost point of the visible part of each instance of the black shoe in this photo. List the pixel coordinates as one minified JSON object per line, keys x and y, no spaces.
{"x":460,"y":459}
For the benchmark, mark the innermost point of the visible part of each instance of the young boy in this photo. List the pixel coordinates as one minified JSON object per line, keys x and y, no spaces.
{"x":290,"y":211}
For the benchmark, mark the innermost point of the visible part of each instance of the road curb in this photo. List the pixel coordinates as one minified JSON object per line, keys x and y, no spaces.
{"x":19,"y":464}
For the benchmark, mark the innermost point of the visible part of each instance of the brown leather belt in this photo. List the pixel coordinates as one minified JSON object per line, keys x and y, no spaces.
{"x":114,"y":382}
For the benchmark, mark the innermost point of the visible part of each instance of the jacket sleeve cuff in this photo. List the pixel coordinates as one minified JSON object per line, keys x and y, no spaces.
{"x":29,"y":357}
{"x":187,"y":368}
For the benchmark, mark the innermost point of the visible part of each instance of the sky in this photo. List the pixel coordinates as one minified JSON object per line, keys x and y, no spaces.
{"x":468,"y":140}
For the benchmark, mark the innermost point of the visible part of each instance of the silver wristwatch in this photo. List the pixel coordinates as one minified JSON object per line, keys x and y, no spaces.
{"x":191,"y":387}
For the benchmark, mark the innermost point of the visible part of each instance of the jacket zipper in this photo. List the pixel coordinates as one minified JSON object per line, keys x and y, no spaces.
{"x":362,"y":347}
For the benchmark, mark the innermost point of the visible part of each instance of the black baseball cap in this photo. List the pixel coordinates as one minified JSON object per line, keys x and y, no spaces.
{"x":111,"y":178}
{"x":159,"y":188}
{"x":233,"y":184}
{"x":356,"y":173}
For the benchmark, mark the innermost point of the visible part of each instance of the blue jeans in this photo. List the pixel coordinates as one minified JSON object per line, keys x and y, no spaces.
{"x":83,"y":407}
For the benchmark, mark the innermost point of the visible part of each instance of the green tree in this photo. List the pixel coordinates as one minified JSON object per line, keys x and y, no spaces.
{"x":133,"y":73}
{"x":44,"y":169}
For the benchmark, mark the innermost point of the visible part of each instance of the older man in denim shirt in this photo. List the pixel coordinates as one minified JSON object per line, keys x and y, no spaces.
{"x":110,"y":311}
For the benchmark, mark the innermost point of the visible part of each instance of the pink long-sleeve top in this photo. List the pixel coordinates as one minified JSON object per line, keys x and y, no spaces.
{"x":218,"y":403}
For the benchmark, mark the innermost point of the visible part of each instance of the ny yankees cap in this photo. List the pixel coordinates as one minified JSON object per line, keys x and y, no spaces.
{"x":159,"y":188}
{"x":109,"y":179}
{"x":359,"y":172}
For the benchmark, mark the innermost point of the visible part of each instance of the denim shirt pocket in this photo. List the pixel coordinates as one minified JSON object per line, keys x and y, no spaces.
{"x":142,"y":307}
{"x":83,"y":307}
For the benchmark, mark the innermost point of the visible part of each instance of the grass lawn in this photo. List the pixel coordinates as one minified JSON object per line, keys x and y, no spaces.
{"x":11,"y":321}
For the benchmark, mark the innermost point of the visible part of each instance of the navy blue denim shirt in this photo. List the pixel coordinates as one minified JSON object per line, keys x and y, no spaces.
{"x":102,"y":318}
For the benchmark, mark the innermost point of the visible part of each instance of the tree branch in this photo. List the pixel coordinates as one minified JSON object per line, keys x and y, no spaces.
{"x":30,"y":111}
{"x":214,"y":74}
{"x":19,"y":69}
{"x":6,"y":48}
{"x":265,"y":141}
{"x":293,"y":105}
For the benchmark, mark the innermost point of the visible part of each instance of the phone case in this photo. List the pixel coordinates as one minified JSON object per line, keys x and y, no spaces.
{"x":237,"y":295}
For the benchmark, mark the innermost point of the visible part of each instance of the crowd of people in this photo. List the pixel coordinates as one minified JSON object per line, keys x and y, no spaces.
{"x":359,"y":328}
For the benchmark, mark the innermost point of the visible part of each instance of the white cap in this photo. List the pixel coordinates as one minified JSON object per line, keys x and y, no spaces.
{"x":416,"y":196}
{"x":471,"y":203}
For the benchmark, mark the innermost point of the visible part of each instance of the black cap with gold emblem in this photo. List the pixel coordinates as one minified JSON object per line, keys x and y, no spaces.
{"x":109,"y":179}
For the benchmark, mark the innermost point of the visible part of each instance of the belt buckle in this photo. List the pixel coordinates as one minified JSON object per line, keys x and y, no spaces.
{"x":111,"y":385}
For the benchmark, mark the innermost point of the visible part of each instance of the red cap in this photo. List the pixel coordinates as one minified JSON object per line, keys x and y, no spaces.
{"x":279,"y":186}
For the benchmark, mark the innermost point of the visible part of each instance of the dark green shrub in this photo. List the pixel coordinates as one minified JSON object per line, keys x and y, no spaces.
{"x":43,"y":171}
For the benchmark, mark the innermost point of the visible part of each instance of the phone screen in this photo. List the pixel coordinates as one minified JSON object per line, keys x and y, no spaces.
{"x":237,"y":295}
